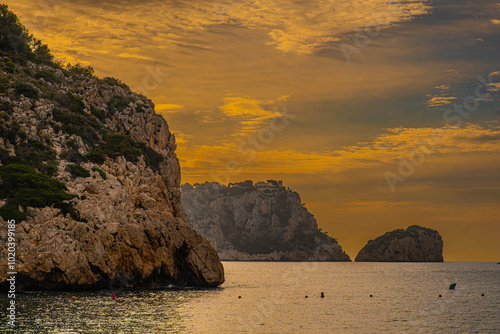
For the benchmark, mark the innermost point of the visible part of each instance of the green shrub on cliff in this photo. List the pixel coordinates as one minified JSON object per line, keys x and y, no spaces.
{"x":101,"y":115}
{"x":26,"y":89}
{"x":16,"y":42}
{"x":48,"y":76}
{"x":13,"y":133}
{"x":101,"y":172}
{"x":23,"y":186}
{"x":77,"y":171}
{"x":119,"y":103}
{"x":115,"y":82}
{"x":152,"y":158}
{"x":76,"y":104}
{"x":32,"y":153}
{"x":5,"y":82}
{"x":78,"y":123}
{"x":113,"y":146}
{"x":9,"y":67}
{"x":79,"y":70}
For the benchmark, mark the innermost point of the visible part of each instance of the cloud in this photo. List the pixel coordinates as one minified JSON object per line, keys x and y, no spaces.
{"x":247,"y":109}
{"x":168,"y":108}
{"x":443,"y":87}
{"x":306,"y":27}
{"x":302,"y":27}
{"x":182,"y":138}
{"x":385,"y":149}
{"x":486,"y":138}
{"x":370,"y":205}
{"x":438,"y":101}
{"x":250,"y":113}
{"x":128,"y":55}
{"x":495,"y":85}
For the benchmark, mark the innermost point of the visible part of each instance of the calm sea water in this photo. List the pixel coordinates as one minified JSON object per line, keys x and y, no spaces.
{"x":405,"y":300}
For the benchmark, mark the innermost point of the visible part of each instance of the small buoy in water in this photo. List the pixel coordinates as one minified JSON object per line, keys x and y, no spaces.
{"x":482,"y":294}
{"x":322,"y":295}
{"x":452,"y":286}
{"x":73,"y":297}
{"x":440,"y":296}
{"x":371,"y":295}
{"x":307,"y":296}
{"x":239,"y":297}
{"x":114,"y":296}
{"x":159,"y":297}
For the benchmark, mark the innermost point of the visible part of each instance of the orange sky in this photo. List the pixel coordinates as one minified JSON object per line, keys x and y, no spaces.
{"x":258,"y":89}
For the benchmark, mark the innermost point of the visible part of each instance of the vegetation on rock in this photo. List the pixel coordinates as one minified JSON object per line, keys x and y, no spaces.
{"x":57,"y":123}
{"x":23,"y":186}
{"x":261,"y":221}
{"x":78,"y":171}
{"x":101,"y":172}
{"x":29,"y":78}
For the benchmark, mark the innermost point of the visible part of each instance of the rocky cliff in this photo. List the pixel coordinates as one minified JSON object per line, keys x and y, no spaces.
{"x":415,"y":244}
{"x":89,"y":173}
{"x":263,"y":221}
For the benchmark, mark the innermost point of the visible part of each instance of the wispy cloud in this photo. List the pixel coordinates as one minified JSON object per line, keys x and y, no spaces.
{"x":250,"y":113}
{"x":168,"y":108}
{"x":386,"y":148}
{"x":305,"y":27}
{"x":302,"y":27}
{"x":128,"y":55}
{"x":182,"y":138}
{"x":438,"y":101}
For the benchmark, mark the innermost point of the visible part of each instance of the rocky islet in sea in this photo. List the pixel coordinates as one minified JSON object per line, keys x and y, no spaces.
{"x":415,"y":244}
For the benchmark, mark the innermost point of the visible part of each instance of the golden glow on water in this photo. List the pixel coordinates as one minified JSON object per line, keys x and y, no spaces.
{"x":219,"y":72}
{"x":405,"y":300}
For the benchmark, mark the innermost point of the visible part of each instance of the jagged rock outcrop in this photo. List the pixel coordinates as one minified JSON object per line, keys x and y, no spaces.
{"x":415,"y":244}
{"x":89,"y":172}
{"x":263,"y":222}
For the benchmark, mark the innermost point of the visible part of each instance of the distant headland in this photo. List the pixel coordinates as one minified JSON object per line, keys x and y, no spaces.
{"x":263,"y":221}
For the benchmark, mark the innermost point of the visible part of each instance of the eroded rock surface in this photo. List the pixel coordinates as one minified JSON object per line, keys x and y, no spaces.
{"x":106,"y":179}
{"x":415,"y":244}
{"x":263,"y":221}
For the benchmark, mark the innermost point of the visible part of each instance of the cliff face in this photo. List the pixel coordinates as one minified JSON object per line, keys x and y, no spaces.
{"x":264,"y":222}
{"x":89,"y":172}
{"x":415,"y":244}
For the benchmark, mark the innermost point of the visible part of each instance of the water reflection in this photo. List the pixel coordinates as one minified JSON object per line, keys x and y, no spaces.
{"x":97,"y":312}
{"x":405,"y":300}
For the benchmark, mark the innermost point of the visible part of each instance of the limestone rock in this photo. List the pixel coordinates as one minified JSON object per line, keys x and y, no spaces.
{"x":261,"y":222}
{"x":415,"y":244}
{"x":128,"y":222}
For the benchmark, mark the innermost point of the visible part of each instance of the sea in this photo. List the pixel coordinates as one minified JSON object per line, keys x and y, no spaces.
{"x":284,"y":297}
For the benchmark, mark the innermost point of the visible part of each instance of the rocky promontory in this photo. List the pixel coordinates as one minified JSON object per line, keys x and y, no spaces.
{"x":264,"y":221}
{"x":89,"y":173}
{"x":415,"y":244}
